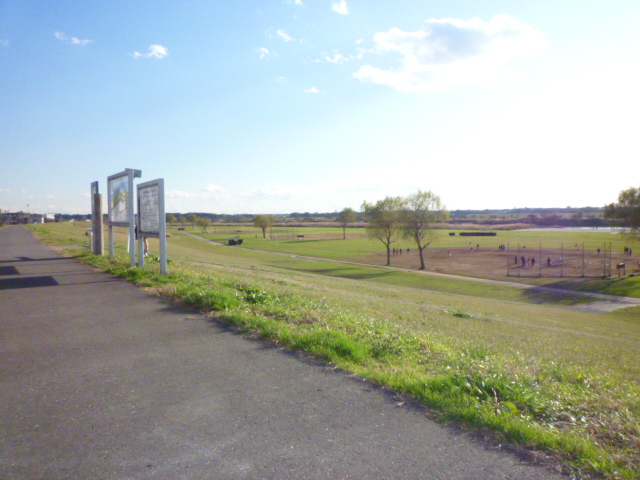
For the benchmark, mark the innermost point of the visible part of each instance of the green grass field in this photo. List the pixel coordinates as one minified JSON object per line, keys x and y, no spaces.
{"x":561,"y":384}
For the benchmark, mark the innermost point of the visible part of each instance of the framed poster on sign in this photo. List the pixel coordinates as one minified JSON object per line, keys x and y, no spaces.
{"x":121,"y":205}
{"x":119,"y":200}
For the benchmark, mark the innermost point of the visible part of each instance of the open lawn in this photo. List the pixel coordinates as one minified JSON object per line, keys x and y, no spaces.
{"x":570,"y":259}
{"x":514,"y":364}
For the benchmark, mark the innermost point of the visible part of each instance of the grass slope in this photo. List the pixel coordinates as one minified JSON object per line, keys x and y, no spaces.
{"x":553,"y":381}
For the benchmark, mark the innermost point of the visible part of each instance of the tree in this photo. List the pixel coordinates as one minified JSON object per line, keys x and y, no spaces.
{"x":263,"y":222}
{"x":192,"y":217}
{"x":203,"y":223}
{"x":346,"y":216}
{"x":419,"y":212}
{"x":171,"y":218}
{"x":182,"y":220}
{"x":626,"y":212}
{"x":383,"y":221}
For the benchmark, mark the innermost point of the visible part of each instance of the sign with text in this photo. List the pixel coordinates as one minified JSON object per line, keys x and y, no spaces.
{"x":151,"y":218}
{"x":149,"y":209}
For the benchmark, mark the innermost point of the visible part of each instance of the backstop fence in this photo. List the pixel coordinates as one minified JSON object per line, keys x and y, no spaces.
{"x":565,"y":261}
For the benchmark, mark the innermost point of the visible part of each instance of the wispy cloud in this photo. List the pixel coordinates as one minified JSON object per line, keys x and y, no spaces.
{"x":295,"y":2}
{"x":450,"y":53}
{"x":280,"y":191}
{"x":155,"y":51}
{"x":311,"y":90}
{"x":336,"y":58}
{"x":179,"y":194}
{"x":71,"y":40}
{"x":263,"y":52}
{"x":340,"y":6}
{"x":213,"y":188}
{"x":284,"y":36}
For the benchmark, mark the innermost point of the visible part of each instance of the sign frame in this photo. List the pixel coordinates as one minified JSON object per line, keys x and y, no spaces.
{"x":124,"y":215}
{"x":152,"y":222}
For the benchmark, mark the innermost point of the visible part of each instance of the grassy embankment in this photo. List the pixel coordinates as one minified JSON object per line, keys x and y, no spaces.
{"x":551,"y":381}
{"x":327,"y":243}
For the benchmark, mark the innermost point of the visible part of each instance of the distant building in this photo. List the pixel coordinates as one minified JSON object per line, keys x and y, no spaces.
{"x":21,"y":218}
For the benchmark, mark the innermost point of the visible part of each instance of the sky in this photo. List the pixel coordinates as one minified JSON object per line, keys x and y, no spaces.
{"x":317,"y":105}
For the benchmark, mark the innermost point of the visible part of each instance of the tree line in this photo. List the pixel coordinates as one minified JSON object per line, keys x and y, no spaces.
{"x":626,"y":211}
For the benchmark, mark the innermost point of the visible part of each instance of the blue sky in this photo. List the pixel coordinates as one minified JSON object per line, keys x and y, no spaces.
{"x":316,"y":105}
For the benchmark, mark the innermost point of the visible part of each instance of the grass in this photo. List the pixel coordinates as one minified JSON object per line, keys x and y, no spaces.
{"x":557,"y":382}
{"x":327,"y":243}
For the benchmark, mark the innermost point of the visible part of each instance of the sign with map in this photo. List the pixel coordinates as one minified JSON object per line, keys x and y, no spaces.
{"x":118,"y":199}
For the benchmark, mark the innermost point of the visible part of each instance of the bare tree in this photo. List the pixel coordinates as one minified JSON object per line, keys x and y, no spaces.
{"x":383,"y":219}
{"x":420,"y":211}
{"x":346,"y":216}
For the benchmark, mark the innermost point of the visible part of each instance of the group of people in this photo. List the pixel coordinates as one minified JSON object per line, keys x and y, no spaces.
{"x":628,"y":251}
{"x":398,"y":251}
{"x":526,"y":262}
{"x":502,"y":247}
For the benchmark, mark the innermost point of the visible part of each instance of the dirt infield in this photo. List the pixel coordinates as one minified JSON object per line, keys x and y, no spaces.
{"x":494,"y":263}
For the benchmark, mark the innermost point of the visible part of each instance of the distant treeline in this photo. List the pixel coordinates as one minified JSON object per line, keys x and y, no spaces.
{"x":544,"y":217}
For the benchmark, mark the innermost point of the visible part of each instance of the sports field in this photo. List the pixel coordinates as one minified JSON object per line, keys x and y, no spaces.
{"x":524,"y":254}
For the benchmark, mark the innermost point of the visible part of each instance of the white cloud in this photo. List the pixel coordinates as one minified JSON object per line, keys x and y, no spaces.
{"x":336,"y":58}
{"x":264,"y":52}
{"x":311,"y":90}
{"x":283,"y":35}
{"x":340,"y":6}
{"x":281,"y":191}
{"x":450,"y":53}
{"x":71,"y":40}
{"x":155,"y":51}
{"x":178,"y":194}
{"x":213,"y":188}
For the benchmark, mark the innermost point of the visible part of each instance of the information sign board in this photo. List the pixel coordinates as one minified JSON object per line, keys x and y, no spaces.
{"x":151,"y":218}
{"x":119,"y":200}
{"x":121,"y":207}
{"x":149,"y":209}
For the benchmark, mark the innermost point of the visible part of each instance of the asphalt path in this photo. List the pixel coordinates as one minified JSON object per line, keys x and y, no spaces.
{"x":101,"y":380}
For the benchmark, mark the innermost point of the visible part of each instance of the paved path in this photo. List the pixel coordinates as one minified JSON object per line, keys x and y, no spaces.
{"x":605,"y":303}
{"x":100,"y":380}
